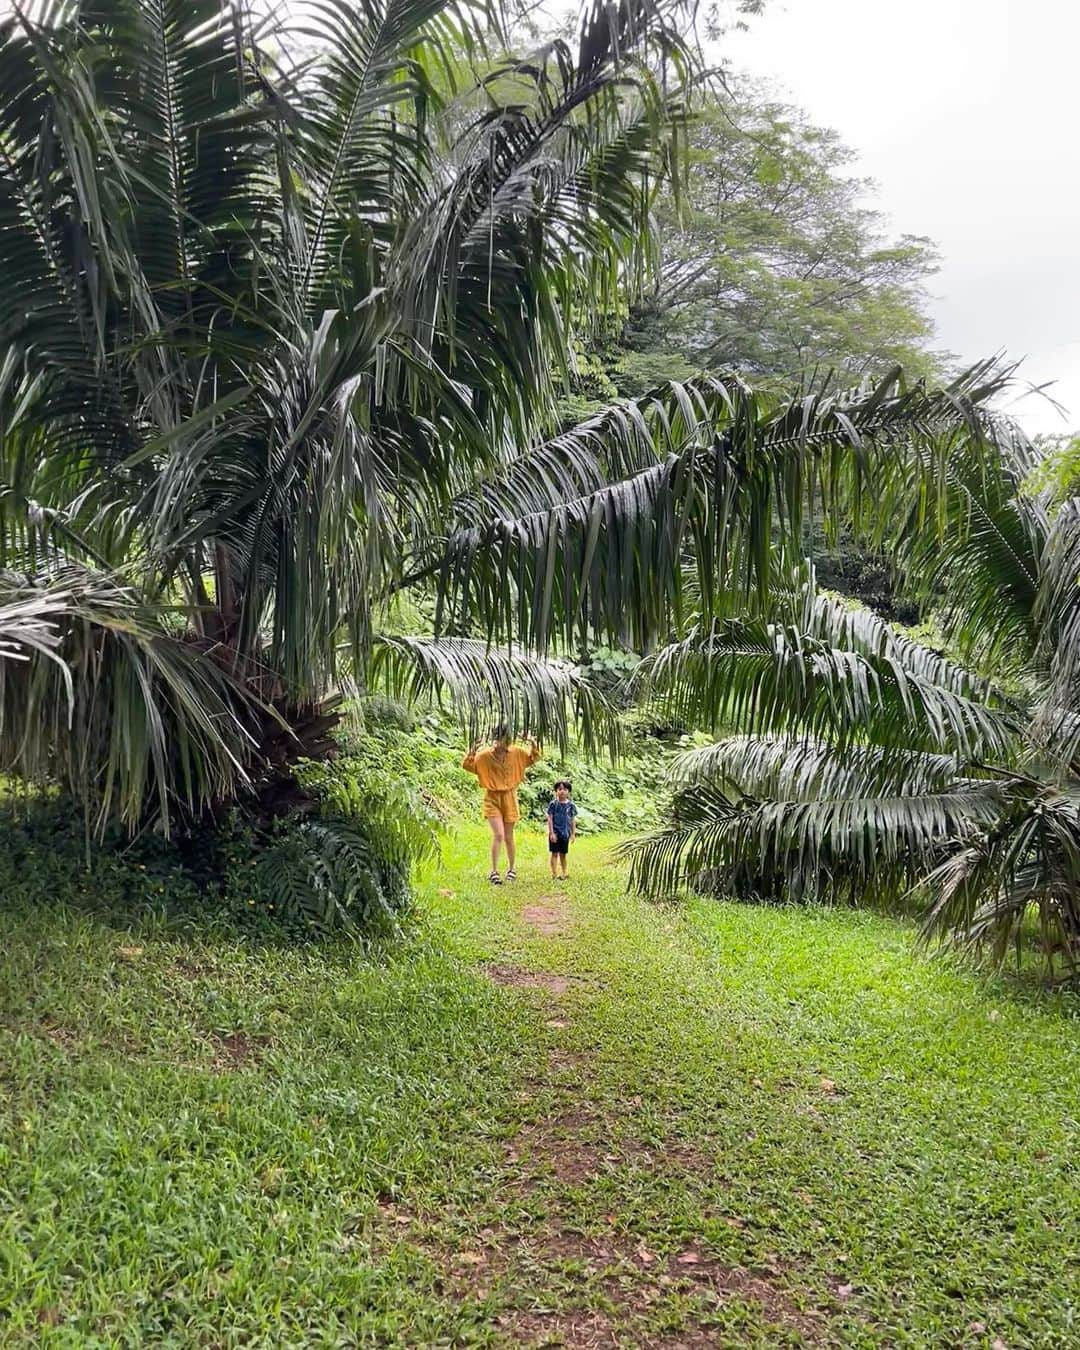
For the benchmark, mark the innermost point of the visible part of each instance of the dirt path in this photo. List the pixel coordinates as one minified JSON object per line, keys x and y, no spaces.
{"x":629,"y":1294}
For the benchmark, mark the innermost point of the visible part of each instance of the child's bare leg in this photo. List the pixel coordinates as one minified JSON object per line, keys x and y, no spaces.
{"x":554,"y":864}
{"x":511,"y":847}
{"x":497,"y":838}
{"x":564,"y":860}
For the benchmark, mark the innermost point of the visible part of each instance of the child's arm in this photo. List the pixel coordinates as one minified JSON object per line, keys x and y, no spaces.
{"x":551,"y":825}
{"x":573,"y":823}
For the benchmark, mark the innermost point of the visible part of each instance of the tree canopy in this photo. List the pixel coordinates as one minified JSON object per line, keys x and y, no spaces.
{"x":771,"y":262}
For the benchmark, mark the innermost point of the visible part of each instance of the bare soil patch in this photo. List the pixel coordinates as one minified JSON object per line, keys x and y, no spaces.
{"x":516,"y":977}
{"x":548,"y":917}
{"x":636,"y":1284}
{"x":582,"y":1330}
{"x":557,"y":1145}
{"x":235,"y":1050}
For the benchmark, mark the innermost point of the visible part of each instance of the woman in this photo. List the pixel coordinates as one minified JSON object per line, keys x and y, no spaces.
{"x":500,"y":769}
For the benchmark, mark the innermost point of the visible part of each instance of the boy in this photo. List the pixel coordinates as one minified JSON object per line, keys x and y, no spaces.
{"x":562,"y":827}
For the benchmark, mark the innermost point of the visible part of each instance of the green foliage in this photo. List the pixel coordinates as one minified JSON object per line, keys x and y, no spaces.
{"x":867,"y":764}
{"x":623,"y":796}
{"x":609,"y":670}
{"x":333,"y":872}
{"x":413,"y":758}
{"x":343,"y":860}
{"x":1057,"y":474}
{"x":771,"y":264}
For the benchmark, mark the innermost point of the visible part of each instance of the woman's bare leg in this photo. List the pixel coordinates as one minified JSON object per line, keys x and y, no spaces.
{"x":497,"y":838}
{"x":511,"y":847}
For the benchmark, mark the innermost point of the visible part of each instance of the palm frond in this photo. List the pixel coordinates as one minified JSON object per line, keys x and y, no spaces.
{"x":758,"y":677}
{"x":538,"y":200}
{"x":489,"y":685}
{"x":330,"y":873}
{"x":825,"y":847}
{"x":131,"y":719}
{"x":983,"y":895}
{"x":729,"y":500}
{"x":967,"y":538}
{"x":805,"y":770}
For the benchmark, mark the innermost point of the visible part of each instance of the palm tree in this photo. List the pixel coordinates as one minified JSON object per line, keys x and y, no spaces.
{"x":279,"y":297}
{"x":288,"y":302}
{"x":860,"y":762}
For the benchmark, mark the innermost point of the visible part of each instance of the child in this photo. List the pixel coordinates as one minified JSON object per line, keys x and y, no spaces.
{"x":562,"y":827}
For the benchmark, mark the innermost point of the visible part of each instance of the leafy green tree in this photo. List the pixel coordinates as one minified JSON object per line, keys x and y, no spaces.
{"x":279,"y":293}
{"x":1057,"y":473}
{"x":772,"y":263}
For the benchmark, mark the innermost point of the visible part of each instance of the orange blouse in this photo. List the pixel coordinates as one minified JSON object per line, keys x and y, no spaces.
{"x":501,"y":773}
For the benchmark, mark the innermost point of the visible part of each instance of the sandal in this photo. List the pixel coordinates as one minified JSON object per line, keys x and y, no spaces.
{"x":495,"y":879}
{"x":511,"y":875}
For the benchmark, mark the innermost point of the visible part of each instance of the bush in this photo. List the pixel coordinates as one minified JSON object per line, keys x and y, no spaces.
{"x":625,"y":796}
{"x":343,"y":862}
{"x":46,"y":859}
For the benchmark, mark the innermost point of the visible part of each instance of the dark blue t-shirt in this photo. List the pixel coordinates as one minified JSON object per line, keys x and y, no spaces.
{"x":561,"y":814}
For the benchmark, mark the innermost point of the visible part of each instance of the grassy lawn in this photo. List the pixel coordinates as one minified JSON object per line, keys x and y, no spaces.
{"x":544,"y":1118}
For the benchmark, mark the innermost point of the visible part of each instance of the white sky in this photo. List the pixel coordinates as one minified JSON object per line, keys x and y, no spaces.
{"x":966,"y":114}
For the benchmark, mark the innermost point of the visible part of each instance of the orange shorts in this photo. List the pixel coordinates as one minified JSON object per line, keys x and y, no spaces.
{"x":504,"y":803}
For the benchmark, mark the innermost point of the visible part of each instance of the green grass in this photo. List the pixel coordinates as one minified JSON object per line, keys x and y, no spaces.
{"x":208,"y":1141}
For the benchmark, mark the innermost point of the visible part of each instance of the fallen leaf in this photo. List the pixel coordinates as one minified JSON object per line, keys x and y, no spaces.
{"x":977,"y":1328}
{"x":999,"y":1344}
{"x":129,"y":953}
{"x":471,"y":1258}
{"x":645,"y":1256}
{"x":995,"y":1016}
{"x":558,"y":1023}
{"x":846,"y":1290}
{"x":733,"y":1222}
{"x":688,"y":1259}
{"x":805,"y":1197}
{"x":446,"y":893}
{"x":611,"y":1157}
{"x":758,"y":1083}
{"x":827,"y":1085}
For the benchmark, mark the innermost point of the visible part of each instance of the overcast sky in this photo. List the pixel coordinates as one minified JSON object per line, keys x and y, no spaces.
{"x":967,"y":113}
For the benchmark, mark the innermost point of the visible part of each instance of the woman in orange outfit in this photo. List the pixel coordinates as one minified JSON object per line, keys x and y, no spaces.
{"x":501,"y":769}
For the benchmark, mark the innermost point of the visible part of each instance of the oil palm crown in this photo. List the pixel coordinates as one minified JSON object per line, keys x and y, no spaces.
{"x":861,"y":763}
{"x":280,"y":293}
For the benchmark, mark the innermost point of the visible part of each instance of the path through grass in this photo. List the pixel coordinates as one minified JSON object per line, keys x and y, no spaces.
{"x":549,"y":1117}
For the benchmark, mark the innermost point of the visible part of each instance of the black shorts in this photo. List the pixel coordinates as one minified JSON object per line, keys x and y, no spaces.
{"x":558,"y":844}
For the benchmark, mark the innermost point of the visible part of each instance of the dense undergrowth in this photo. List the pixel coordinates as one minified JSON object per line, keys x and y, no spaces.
{"x":345,"y":862}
